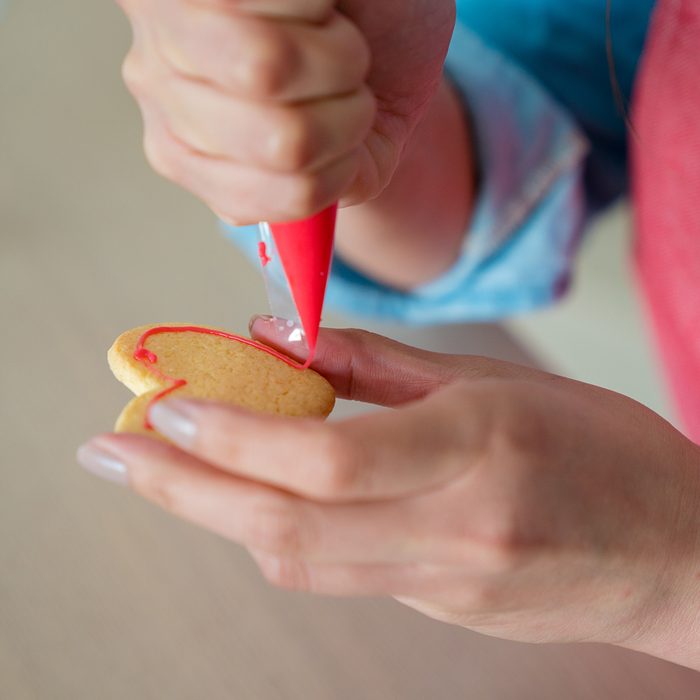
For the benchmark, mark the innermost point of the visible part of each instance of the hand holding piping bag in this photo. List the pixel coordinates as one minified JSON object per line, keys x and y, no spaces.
{"x":271,"y":110}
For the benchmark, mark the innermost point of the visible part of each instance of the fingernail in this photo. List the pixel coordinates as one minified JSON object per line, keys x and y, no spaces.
{"x":259,"y":319}
{"x":103,"y":464}
{"x":272,"y":328}
{"x":173,"y":419}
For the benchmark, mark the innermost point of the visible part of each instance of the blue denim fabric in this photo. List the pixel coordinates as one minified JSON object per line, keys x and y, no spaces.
{"x":562,"y":44}
{"x":529,"y":213}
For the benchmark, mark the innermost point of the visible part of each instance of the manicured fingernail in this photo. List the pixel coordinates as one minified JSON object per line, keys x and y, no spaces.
{"x":172,"y":419}
{"x":258,"y":320}
{"x":275,"y":329}
{"x":103,"y":464}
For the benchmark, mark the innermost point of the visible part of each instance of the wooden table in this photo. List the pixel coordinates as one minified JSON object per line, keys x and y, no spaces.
{"x":101,"y":595}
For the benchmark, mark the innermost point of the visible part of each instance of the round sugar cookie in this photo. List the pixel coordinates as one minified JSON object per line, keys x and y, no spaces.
{"x":177,"y":360}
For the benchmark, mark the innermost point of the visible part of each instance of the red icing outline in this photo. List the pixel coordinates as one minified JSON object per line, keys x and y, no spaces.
{"x":149,"y":358}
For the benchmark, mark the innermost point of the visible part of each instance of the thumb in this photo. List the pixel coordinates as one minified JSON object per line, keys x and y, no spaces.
{"x":363,"y":366}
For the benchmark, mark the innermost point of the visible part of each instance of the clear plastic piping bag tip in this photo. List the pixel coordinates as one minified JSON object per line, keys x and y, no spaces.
{"x":296,"y":259}
{"x":279,"y":294}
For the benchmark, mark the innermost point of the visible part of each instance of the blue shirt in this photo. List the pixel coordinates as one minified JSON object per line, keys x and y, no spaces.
{"x":551,"y":145}
{"x":562,"y":44}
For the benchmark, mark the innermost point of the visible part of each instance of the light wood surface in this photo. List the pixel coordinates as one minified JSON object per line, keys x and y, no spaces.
{"x":101,"y":595}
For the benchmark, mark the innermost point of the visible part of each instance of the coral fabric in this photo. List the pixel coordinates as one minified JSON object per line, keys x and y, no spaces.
{"x":666,"y":169}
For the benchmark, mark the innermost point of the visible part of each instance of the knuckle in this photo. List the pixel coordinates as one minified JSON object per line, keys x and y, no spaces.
{"x":492,"y":546}
{"x":289,"y":574}
{"x":277,"y":528}
{"x":293,"y":142}
{"x":269,"y":65}
{"x":361,"y":57}
{"x":498,"y":545}
{"x":163,"y":492}
{"x":367,"y":106}
{"x":306,"y":196}
{"x":160,"y":155}
{"x":230,"y":215}
{"x":125,"y":5}
{"x":514,"y":433}
{"x":521,"y":436}
{"x":318,"y":9}
{"x":354,"y":50}
{"x":338,"y":470}
{"x":480,"y":597}
{"x":134,"y":74}
{"x":503,"y":554}
{"x":163,"y":154}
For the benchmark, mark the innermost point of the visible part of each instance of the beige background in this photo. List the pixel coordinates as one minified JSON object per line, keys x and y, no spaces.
{"x":103,"y":596}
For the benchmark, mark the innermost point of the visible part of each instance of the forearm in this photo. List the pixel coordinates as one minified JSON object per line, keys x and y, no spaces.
{"x":413,"y":232}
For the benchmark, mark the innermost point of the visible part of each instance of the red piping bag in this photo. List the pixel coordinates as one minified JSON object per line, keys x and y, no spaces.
{"x":296,"y":258}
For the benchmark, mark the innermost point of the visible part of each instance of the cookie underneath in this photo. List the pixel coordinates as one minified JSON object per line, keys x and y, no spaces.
{"x":214,"y":368}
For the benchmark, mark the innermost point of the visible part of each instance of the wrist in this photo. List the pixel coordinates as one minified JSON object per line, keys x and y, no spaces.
{"x":419,"y":221}
{"x":669,"y":625}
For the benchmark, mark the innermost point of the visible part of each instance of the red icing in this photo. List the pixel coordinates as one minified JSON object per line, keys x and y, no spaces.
{"x":262,"y":254}
{"x":305,"y":249}
{"x":149,"y":358}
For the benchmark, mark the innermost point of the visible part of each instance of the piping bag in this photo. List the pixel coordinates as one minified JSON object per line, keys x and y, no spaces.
{"x":296,"y":258}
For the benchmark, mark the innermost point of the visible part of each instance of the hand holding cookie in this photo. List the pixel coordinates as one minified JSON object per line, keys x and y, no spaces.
{"x":498,"y":497}
{"x":273,"y":109}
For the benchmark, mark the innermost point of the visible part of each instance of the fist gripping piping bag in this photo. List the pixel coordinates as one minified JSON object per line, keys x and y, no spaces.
{"x":296,"y":258}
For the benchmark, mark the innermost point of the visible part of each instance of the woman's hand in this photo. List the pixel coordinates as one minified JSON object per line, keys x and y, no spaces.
{"x":497,"y":497}
{"x":273,"y":109}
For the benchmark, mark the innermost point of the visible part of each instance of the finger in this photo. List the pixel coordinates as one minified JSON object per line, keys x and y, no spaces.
{"x":413,"y":580}
{"x":308,"y":10}
{"x":240,"y":193}
{"x":267,"y":519}
{"x":262,"y":59}
{"x":368,"y":367}
{"x":279,"y":138}
{"x":375,"y":456}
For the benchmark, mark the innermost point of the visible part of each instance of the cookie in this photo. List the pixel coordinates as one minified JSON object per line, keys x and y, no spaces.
{"x":158,"y":362}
